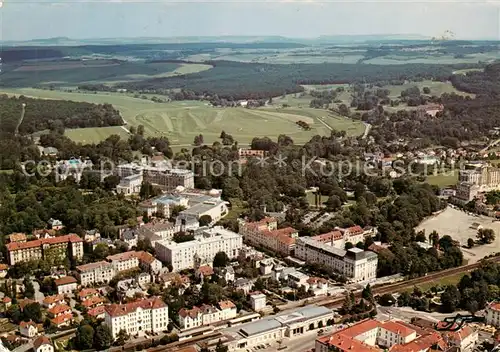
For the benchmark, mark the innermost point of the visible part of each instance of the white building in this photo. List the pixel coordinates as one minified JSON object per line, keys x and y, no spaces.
{"x":206,"y":315}
{"x":214,"y":207}
{"x":161,"y":175}
{"x":95,"y":273}
{"x":130,"y":185}
{"x":137,"y":317}
{"x":493,"y":314}
{"x":66,"y":285}
{"x":201,"y":250}
{"x":28,"y":329}
{"x":43,"y":344}
{"x":258,"y":301}
{"x":356,"y":264}
{"x":124,"y":261}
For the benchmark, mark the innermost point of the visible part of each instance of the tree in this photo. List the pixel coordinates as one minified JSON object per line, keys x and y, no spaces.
{"x":103,"y":337}
{"x":220,"y":347}
{"x":14,"y":314}
{"x":420,"y":237}
{"x":205,"y":220}
{"x":121,"y":337}
{"x":344,"y":110}
{"x":84,"y":337}
{"x":434,"y":238}
{"x":486,"y":236}
{"x":426,"y":90}
{"x":29,"y":290}
{"x":470,"y":243}
{"x":33,"y":311}
{"x":100,"y":252}
{"x":333,"y":203}
{"x":387,"y":300}
{"x":450,"y":299}
{"x":221,"y":260}
{"x":367,"y":293}
{"x":404,"y":299}
{"x":140,"y":130}
{"x":348,"y":245}
{"x":198,"y":140}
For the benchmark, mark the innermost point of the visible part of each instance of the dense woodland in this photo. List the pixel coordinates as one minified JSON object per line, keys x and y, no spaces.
{"x":44,"y":114}
{"x":237,"y":80}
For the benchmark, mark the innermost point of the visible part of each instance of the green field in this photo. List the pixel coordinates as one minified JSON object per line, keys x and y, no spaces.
{"x":94,"y":134}
{"x":181,"y":121}
{"x":442,"y":180}
{"x":449,"y":280}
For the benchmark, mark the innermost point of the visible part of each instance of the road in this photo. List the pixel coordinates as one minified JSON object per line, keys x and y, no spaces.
{"x":368,"y":127}
{"x":23,"y":111}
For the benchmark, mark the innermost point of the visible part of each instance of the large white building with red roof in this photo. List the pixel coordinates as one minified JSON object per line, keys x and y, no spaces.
{"x":137,"y":317}
{"x":66,"y":246}
{"x":493,"y":314}
{"x":265,"y":233}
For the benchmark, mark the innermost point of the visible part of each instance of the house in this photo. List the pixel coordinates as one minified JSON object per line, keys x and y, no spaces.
{"x":257,"y":300}
{"x":55,"y":224}
{"x":93,"y":302}
{"x":66,"y":284}
{"x":97,"y":312}
{"x":60,"y":309}
{"x":43,"y":344}
{"x":266,"y":266}
{"x":3,"y":270}
{"x":62,"y":315}
{"x":51,"y":301}
{"x":175,"y":279}
{"x":91,"y":235}
{"x":226,"y":273}
{"x":17,"y":237}
{"x":243,"y":284}
{"x":62,"y":320}
{"x":7,"y":302}
{"x":190,"y":318}
{"x":130,"y":237}
{"x":28,"y":329}
{"x":203,"y":272}
{"x":87,"y":293}
{"x":227,"y":310}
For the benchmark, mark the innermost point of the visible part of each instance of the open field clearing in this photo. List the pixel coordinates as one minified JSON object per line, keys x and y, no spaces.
{"x":465,"y":71}
{"x":445,"y":281}
{"x":94,"y":134}
{"x":92,"y":71}
{"x":457,"y":224}
{"x":428,"y":58}
{"x":181,"y":121}
{"x":436,"y":87}
{"x":443,"y":180}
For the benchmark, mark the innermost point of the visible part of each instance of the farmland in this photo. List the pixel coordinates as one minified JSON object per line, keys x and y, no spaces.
{"x":181,"y":121}
{"x":94,"y":134}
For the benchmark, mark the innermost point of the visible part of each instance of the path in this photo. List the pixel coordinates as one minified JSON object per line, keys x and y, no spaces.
{"x":368,"y":127}
{"x":23,"y":111}
{"x":320,"y":119}
{"x":125,"y":129}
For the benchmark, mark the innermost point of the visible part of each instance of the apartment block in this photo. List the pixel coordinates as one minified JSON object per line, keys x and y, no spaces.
{"x":64,"y":246}
{"x":137,"y":317}
{"x":356,"y":264}
{"x":201,"y":250}
{"x":265,"y":233}
{"x":206,"y":315}
{"x":95,"y":273}
{"x":134,"y":259}
{"x":160,"y":175}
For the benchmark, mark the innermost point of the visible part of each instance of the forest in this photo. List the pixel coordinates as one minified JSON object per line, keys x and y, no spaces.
{"x":483,"y":83}
{"x":237,"y":80}
{"x":43,"y":114}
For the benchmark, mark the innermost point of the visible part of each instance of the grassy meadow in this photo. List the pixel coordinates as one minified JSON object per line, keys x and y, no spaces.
{"x":181,"y":121}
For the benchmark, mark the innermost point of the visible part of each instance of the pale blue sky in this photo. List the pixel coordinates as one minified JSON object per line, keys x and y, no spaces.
{"x":21,"y":20}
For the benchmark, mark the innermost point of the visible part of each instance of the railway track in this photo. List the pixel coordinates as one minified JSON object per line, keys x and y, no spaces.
{"x":393,"y":288}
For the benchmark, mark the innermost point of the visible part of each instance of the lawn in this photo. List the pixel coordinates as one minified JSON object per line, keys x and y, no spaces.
{"x":182,"y":121}
{"x":310,"y":199}
{"x":449,"y":280}
{"x":94,"y":134}
{"x":437,"y":88}
{"x":443,"y":180}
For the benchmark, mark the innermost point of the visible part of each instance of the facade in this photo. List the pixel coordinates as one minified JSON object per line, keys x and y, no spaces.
{"x":28,"y":329}
{"x":206,"y":315}
{"x":43,"y":344}
{"x":265,"y":233}
{"x":493,"y":314}
{"x":155,"y":231}
{"x":214,"y":207}
{"x":63,"y":246}
{"x":51,"y":301}
{"x":288,"y":324}
{"x":160,"y":175}
{"x":477,"y":178}
{"x":95,"y":273}
{"x":135,"y":318}
{"x":123,"y":261}
{"x":201,"y":250}
{"x":355,"y":264}
{"x":130,"y":185}
{"x":66,"y":285}
{"x":245,"y":153}
{"x":258,"y":301}
{"x":339,"y":237}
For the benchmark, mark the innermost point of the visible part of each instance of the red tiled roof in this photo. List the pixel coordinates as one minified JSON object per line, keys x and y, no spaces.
{"x":61,"y":319}
{"x":329,"y":236}
{"x":25,"y":324}
{"x":355,"y":229}
{"x":42,"y":340}
{"x":206,"y":270}
{"x":346,"y":343}
{"x":6,"y":300}
{"x":91,"y":266}
{"x":422,"y":343}
{"x":313,"y":280}
{"x":66,"y":280}
{"x":115,"y":310}
{"x":96,"y":311}
{"x":123,"y":256}
{"x":145,"y":257}
{"x":17,"y":237}
{"x":87,"y":292}
{"x":58,"y":309}
{"x":53,"y":299}
{"x":93,"y":301}
{"x":260,"y":223}
{"x":4,"y":267}
{"x":192,"y":313}
{"x":494,"y":306}
{"x":396,"y":328}
{"x":226,"y":305}
{"x":14,"y":246}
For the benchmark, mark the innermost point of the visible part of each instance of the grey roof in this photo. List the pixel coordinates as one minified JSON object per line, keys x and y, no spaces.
{"x":129,"y":234}
{"x":304,"y":313}
{"x":241,"y":282}
{"x":260,"y":326}
{"x":322,"y":247}
{"x":361,"y":255}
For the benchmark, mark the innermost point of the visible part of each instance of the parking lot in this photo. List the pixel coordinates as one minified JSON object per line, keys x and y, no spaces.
{"x":458,"y":225}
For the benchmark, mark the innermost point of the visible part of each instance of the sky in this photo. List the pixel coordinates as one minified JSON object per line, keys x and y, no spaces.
{"x":79,"y":19}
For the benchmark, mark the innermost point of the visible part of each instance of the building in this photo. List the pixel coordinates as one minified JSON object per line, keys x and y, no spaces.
{"x":97,"y":312}
{"x":16,"y":237}
{"x":72,"y":167}
{"x":66,"y":284}
{"x":124,"y":261}
{"x":258,"y":301}
{"x":28,"y":329}
{"x":156,"y":231}
{"x":270,"y":329}
{"x":163,"y":204}
{"x":87,"y":293}
{"x":130,"y":237}
{"x":464,"y":338}
{"x":265,"y":233}
{"x":477,"y":178}
{"x":493,"y":314}
{"x":201,"y":250}
{"x":215,"y":208}
{"x":137,"y":317}
{"x":148,"y":262}
{"x":243,"y":284}
{"x":130,"y":185}
{"x":247,"y":153}
{"x":206,"y":315}
{"x":95,"y":273}
{"x":339,"y":237}
{"x":62,"y":246}
{"x":43,"y":344}
{"x":356,"y":264}
{"x":51,"y":301}
{"x":377,"y":336}
{"x":160,"y":175}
